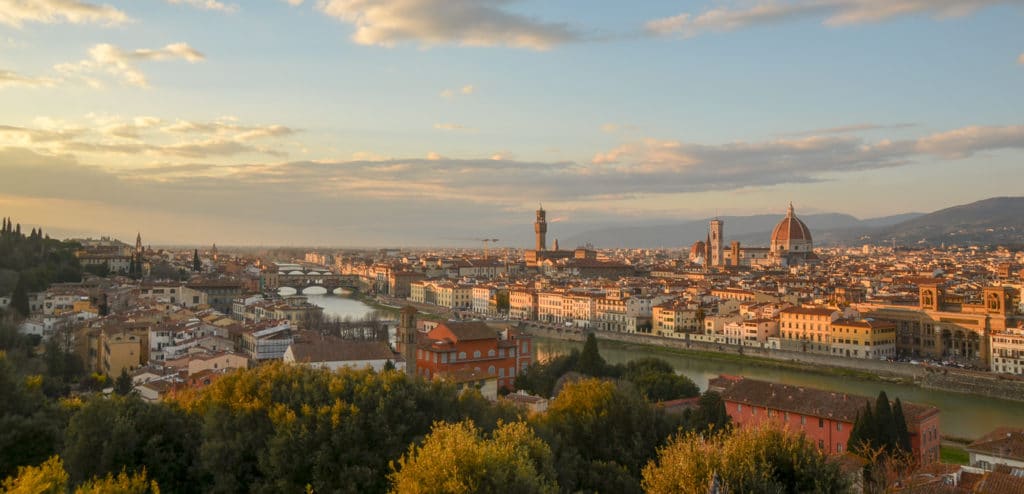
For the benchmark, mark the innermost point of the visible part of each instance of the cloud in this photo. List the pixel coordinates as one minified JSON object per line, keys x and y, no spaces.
{"x":110,"y":59}
{"x":964,"y":142}
{"x":104,"y":138}
{"x":436,"y":22}
{"x":830,"y":12}
{"x":452,"y":127}
{"x":10,"y":78}
{"x":16,"y":12}
{"x":409,"y":194}
{"x":208,"y":5}
{"x":466,"y":90}
{"x":849,"y":129}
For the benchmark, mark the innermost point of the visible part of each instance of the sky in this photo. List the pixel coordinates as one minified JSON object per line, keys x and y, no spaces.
{"x":436,"y":122}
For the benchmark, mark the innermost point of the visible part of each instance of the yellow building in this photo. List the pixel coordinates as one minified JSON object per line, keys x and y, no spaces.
{"x":674,"y":319}
{"x":120,"y":350}
{"x":806,"y":329}
{"x":865,"y":338}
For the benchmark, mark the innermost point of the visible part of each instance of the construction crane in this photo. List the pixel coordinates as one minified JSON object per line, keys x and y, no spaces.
{"x":486,"y":241}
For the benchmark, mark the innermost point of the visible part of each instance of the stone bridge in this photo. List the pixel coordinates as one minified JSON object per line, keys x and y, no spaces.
{"x":301,"y":277}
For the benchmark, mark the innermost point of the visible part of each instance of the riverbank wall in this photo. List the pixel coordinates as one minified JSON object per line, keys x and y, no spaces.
{"x":938,"y":378}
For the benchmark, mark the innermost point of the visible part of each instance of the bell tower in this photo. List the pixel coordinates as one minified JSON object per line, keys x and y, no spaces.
{"x":406,"y":337}
{"x":540,"y":227}
{"x":717,"y":247}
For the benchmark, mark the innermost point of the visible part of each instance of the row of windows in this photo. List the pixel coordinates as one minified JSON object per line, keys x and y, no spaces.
{"x":785,"y":416}
{"x":445,"y":357}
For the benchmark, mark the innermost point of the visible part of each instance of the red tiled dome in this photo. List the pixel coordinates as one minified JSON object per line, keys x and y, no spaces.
{"x":698,"y":249}
{"x":790,"y":229}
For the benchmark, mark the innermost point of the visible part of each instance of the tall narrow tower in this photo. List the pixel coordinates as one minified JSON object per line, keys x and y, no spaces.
{"x":541,"y":228}
{"x":406,"y":338}
{"x":138,"y":244}
{"x":717,"y":257}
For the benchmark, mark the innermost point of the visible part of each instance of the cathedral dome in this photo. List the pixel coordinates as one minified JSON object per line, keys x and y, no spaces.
{"x":790,"y":231}
{"x":697,"y":250}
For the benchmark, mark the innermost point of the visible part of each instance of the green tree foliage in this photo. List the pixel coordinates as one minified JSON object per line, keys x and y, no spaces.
{"x":540,"y":377}
{"x":710,"y":413}
{"x":658,"y":381}
{"x":197,"y":265}
{"x":19,"y":299}
{"x":123,"y":385}
{"x":590,"y":361}
{"x":278,"y":428}
{"x":759,"y":459}
{"x":31,"y":426}
{"x":459,"y":459}
{"x":601,"y":434}
{"x":110,"y":434}
{"x":902,"y":432}
{"x":38,"y":260}
{"x":882,"y":428}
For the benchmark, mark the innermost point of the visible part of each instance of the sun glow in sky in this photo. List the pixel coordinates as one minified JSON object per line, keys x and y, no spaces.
{"x":424,"y":122}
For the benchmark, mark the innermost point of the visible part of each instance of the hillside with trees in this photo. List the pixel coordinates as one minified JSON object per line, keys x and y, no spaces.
{"x":30,"y":262}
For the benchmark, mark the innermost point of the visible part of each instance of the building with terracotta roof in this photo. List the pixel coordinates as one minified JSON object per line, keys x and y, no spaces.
{"x":329,"y":352}
{"x":1002,"y":446}
{"x":455,"y":346}
{"x":826,"y":418}
{"x":790,"y":245}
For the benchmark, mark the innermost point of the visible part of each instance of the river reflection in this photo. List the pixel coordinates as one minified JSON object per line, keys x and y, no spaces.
{"x":962,"y":415}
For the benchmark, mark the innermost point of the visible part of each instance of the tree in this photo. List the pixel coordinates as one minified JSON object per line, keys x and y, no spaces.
{"x":123,"y":385}
{"x":458,"y":458}
{"x":710,"y":413}
{"x":887,"y":430}
{"x":107,"y":436}
{"x":902,"y":432}
{"x":123,"y":483}
{"x":658,"y":381}
{"x":590,"y":362}
{"x":19,"y":299}
{"x":47,"y":478}
{"x":197,"y":265}
{"x":754,"y":459}
{"x":596,"y":425}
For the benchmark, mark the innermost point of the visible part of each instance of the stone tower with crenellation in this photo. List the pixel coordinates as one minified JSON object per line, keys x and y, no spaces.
{"x":541,"y":228}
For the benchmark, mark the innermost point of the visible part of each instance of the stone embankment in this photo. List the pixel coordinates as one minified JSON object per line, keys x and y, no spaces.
{"x":928,"y":377}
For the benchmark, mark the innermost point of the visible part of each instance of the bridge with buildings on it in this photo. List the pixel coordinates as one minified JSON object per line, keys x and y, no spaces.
{"x":302,"y":276}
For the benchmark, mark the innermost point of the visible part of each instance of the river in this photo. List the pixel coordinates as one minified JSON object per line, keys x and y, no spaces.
{"x":964,"y":416}
{"x":334,"y":304}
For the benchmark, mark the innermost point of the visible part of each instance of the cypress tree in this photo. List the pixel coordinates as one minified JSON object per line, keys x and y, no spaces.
{"x":19,"y":299}
{"x":902,"y":432}
{"x":591,"y":363}
{"x":886,"y":423}
{"x":197,"y":265}
{"x":856,"y":434}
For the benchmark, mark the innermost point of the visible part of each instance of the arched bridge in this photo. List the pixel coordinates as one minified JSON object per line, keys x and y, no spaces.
{"x":301,"y":277}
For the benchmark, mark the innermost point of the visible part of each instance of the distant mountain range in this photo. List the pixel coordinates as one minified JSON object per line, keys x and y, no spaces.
{"x":990,"y":221}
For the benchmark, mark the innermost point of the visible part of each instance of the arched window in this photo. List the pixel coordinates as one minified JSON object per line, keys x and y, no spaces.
{"x":490,"y":371}
{"x":462,"y":355}
{"x":476,"y":354}
{"x":490,"y":353}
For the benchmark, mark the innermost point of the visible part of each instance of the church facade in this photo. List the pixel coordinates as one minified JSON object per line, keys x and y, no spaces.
{"x":790,"y":245}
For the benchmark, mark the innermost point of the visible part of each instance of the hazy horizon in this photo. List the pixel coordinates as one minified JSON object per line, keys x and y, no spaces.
{"x":425,"y":122}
